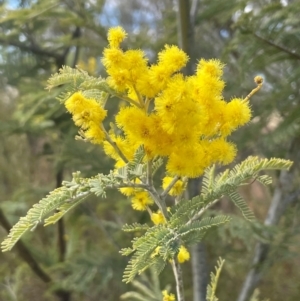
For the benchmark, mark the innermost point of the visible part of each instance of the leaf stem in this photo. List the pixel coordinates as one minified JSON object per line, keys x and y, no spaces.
{"x":166,"y":191}
{"x":259,"y":85}
{"x":199,"y":213}
{"x":114,"y":144}
{"x":149,"y":173}
{"x":178,"y":278}
{"x":131,"y":101}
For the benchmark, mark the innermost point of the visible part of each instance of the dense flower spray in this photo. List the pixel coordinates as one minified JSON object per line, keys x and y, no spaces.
{"x":182,"y":121}
{"x":189,"y":120}
{"x":181,"y":118}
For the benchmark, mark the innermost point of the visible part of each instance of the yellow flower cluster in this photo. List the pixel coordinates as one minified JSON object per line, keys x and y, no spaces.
{"x":183,"y":255}
{"x":141,"y":200}
{"x":182,"y":118}
{"x":158,"y":218}
{"x":88,"y":115}
{"x":168,"y":297}
{"x":177,"y":188}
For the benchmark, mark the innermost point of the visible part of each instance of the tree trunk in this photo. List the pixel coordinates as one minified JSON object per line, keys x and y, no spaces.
{"x":186,"y":19}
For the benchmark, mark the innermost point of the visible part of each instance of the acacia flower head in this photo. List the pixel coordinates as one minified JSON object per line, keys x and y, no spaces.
{"x":168,"y":297}
{"x":177,"y":188}
{"x":141,"y":200}
{"x":115,"y":36}
{"x":184,"y":119}
{"x":183,"y":255}
{"x":88,"y":114}
{"x":158,"y":218}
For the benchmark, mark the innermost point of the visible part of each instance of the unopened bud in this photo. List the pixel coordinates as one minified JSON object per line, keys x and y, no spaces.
{"x":258,"y":80}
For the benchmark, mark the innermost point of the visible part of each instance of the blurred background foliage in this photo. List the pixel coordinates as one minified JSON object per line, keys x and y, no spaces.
{"x":38,"y":150}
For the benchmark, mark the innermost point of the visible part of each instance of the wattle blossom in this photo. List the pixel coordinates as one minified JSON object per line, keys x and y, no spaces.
{"x":184,"y":119}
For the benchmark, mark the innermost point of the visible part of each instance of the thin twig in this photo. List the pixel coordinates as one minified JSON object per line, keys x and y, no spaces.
{"x":149,"y":173}
{"x":197,"y":215}
{"x":147,"y":102}
{"x":61,"y":241}
{"x":132,"y":185}
{"x":128,"y":99}
{"x":114,"y":145}
{"x":139,"y":97}
{"x":282,"y":48}
{"x":179,"y":197}
{"x":178,"y":278}
{"x":25,"y":253}
{"x":259,"y":85}
{"x":170,"y":186}
{"x":158,"y":201}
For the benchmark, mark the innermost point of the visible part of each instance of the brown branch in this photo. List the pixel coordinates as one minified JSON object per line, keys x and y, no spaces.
{"x":282,"y":48}
{"x":61,"y":243}
{"x":25,"y":253}
{"x":31,"y":48}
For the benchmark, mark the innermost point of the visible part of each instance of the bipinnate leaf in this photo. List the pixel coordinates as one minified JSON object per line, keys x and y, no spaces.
{"x":212,"y":287}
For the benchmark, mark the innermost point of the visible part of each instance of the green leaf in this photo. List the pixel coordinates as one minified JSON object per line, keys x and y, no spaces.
{"x":212,"y":287}
{"x":242,"y":205}
{"x":35,"y":216}
{"x":135,"y":227}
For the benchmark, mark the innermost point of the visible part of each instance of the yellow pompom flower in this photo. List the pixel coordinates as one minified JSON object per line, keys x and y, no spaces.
{"x":168,"y":297}
{"x":158,"y":218}
{"x":115,"y":36}
{"x":222,"y":151}
{"x":183,"y":255}
{"x":75,"y":104}
{"x":159,"y":77}
{"x":172,"y":58}
{"x":94,"y":133}
{"x":88,"y":115}
{"x":189,"y":161}
{"x":238,"y":112}
{"x":178,"y":187}
{"x":212,"y":67}
{"x":141,"y":200}
{"x":112,"y":57}
{"x":128,"y":191}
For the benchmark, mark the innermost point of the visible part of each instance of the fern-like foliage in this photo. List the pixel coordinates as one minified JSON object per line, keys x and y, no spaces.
{"x":135,"y":227}
{"x":162,"y":242}
{"x":76,"y":79}
{"x":184,"y":226}
{"x":135,"y":168}
{"x":212,"y":287}
{"x":226,"y":183}
{"x":156,"y":164}
{"x":255,"y":296}
{"x":36,"y":215}
{"x":242,"y":205}
{"x":146,"y":288}
{"x":62,"y":199}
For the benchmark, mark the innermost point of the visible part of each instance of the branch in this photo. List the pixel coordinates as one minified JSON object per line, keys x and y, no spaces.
{"x":114,"y":145}
{"x":25,"y":253}
{"x":76,"y":34}
{"x":178,"y":278}
{"x":32,"y":48}
{"x":61,"y":242}
{"x":282,"y":48}
{"x":149,"y":173}
{"x":170,"y":186}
